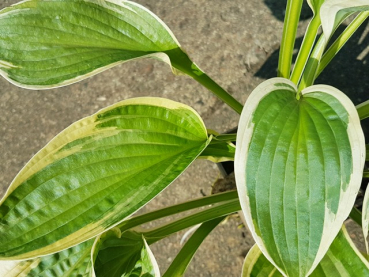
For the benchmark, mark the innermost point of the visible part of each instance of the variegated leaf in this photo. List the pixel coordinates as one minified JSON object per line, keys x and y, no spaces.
{"x":72,"y":262}
{"x":298,"y":164}
{"x":97,"y":172}
{"x":332,"y":12}
{"x":52,"y":43}
{"x":342,"y":260}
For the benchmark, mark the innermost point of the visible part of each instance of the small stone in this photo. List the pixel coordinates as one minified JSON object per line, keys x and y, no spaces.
{"x":101,"y":98}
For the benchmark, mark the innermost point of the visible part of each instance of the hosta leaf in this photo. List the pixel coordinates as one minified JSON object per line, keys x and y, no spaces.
{"x":72,"y":262}
{"x":50,"y":43}
{"x":315,"y":5}
{"x":365,"y":218}
{"x":123,"y":254}
{"x":256,"y":265}
{"x":97,"y":172}
{"x":298,"y":169}
{"x":342,"y":260}
{"x":219,"y":151}
{"x":332,"y":12}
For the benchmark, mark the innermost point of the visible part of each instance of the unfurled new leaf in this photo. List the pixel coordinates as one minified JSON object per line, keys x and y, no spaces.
{"x":342,"y":260}
{"x":97,"y":172}
{"x":298,"y":164}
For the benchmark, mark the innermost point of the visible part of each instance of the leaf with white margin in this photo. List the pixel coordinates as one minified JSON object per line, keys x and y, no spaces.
{"x":96,"y":173}
{"x":315,"y":5}
{"x":365,"y":218}
{"x":343,"y":259}
{"x":53,"y":43}
{"x":298,"y":168}
{"x":117,"y":254}
{"x":332,"y":12}
{"x":72,"y":262}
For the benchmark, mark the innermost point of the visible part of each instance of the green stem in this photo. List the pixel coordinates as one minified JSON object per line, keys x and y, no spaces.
{"x":305,"y":49}
{"x":291,"y":20}
{"x":219,"y":210}
{"x":179,"y":265}
{"x":363,"y":110}
{"x":341,"y":40}
{"x":182,"y":62}
{"x":179,"y":208}
{"x":309,"y":75}
{"x":226,"y":137}
{"x":355,"y":215}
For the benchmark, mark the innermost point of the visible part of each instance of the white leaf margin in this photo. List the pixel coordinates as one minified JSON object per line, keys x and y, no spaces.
{"x":254,"y":254}
{"x":331,"y":8}
{"x":161,"y":56}
{"x":78,"y":129}
{"x":154,"y":263}
{"x":17,"y":268}
{"x":356,"y":138}
{"x":365,"y":218}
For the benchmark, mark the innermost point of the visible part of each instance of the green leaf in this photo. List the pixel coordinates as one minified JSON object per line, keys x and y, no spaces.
{"x":298,"y":167}
{"x":219,"y":151}
{"x":72,"y":262}
{"x":51,"y":43}
{"x":256,"y":265}
{"x":96,"y":173}
{"x":123,"y":254}
{"x":332,"y":13}
{"x":342,"y":260}
{"x":363,"y":110}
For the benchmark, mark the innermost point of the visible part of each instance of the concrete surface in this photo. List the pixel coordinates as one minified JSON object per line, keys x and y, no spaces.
{"x":230,"y":40}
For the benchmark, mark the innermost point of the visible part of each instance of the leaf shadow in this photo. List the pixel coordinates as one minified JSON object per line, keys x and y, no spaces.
{"x":278,"y":9}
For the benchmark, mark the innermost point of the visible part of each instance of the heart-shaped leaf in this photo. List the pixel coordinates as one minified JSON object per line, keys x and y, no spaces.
{"x":46,"y":44}
{"x":97,"y":172}
{"x":342,"y":260}
{"x":298,"y":168}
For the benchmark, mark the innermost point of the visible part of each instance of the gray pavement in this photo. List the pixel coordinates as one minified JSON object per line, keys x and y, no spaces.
{"x":229,"y":40}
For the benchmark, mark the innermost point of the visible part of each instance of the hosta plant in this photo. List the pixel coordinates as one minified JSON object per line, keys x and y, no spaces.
{"x":299,"y":154}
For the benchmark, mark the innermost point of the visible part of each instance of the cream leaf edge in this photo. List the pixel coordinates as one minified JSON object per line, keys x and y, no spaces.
{"x":330,"y":9}
{"x":356,"y":138}
{"x":159,"y":55}
{"x":36,"y":164}
{"x":254,"y":254}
